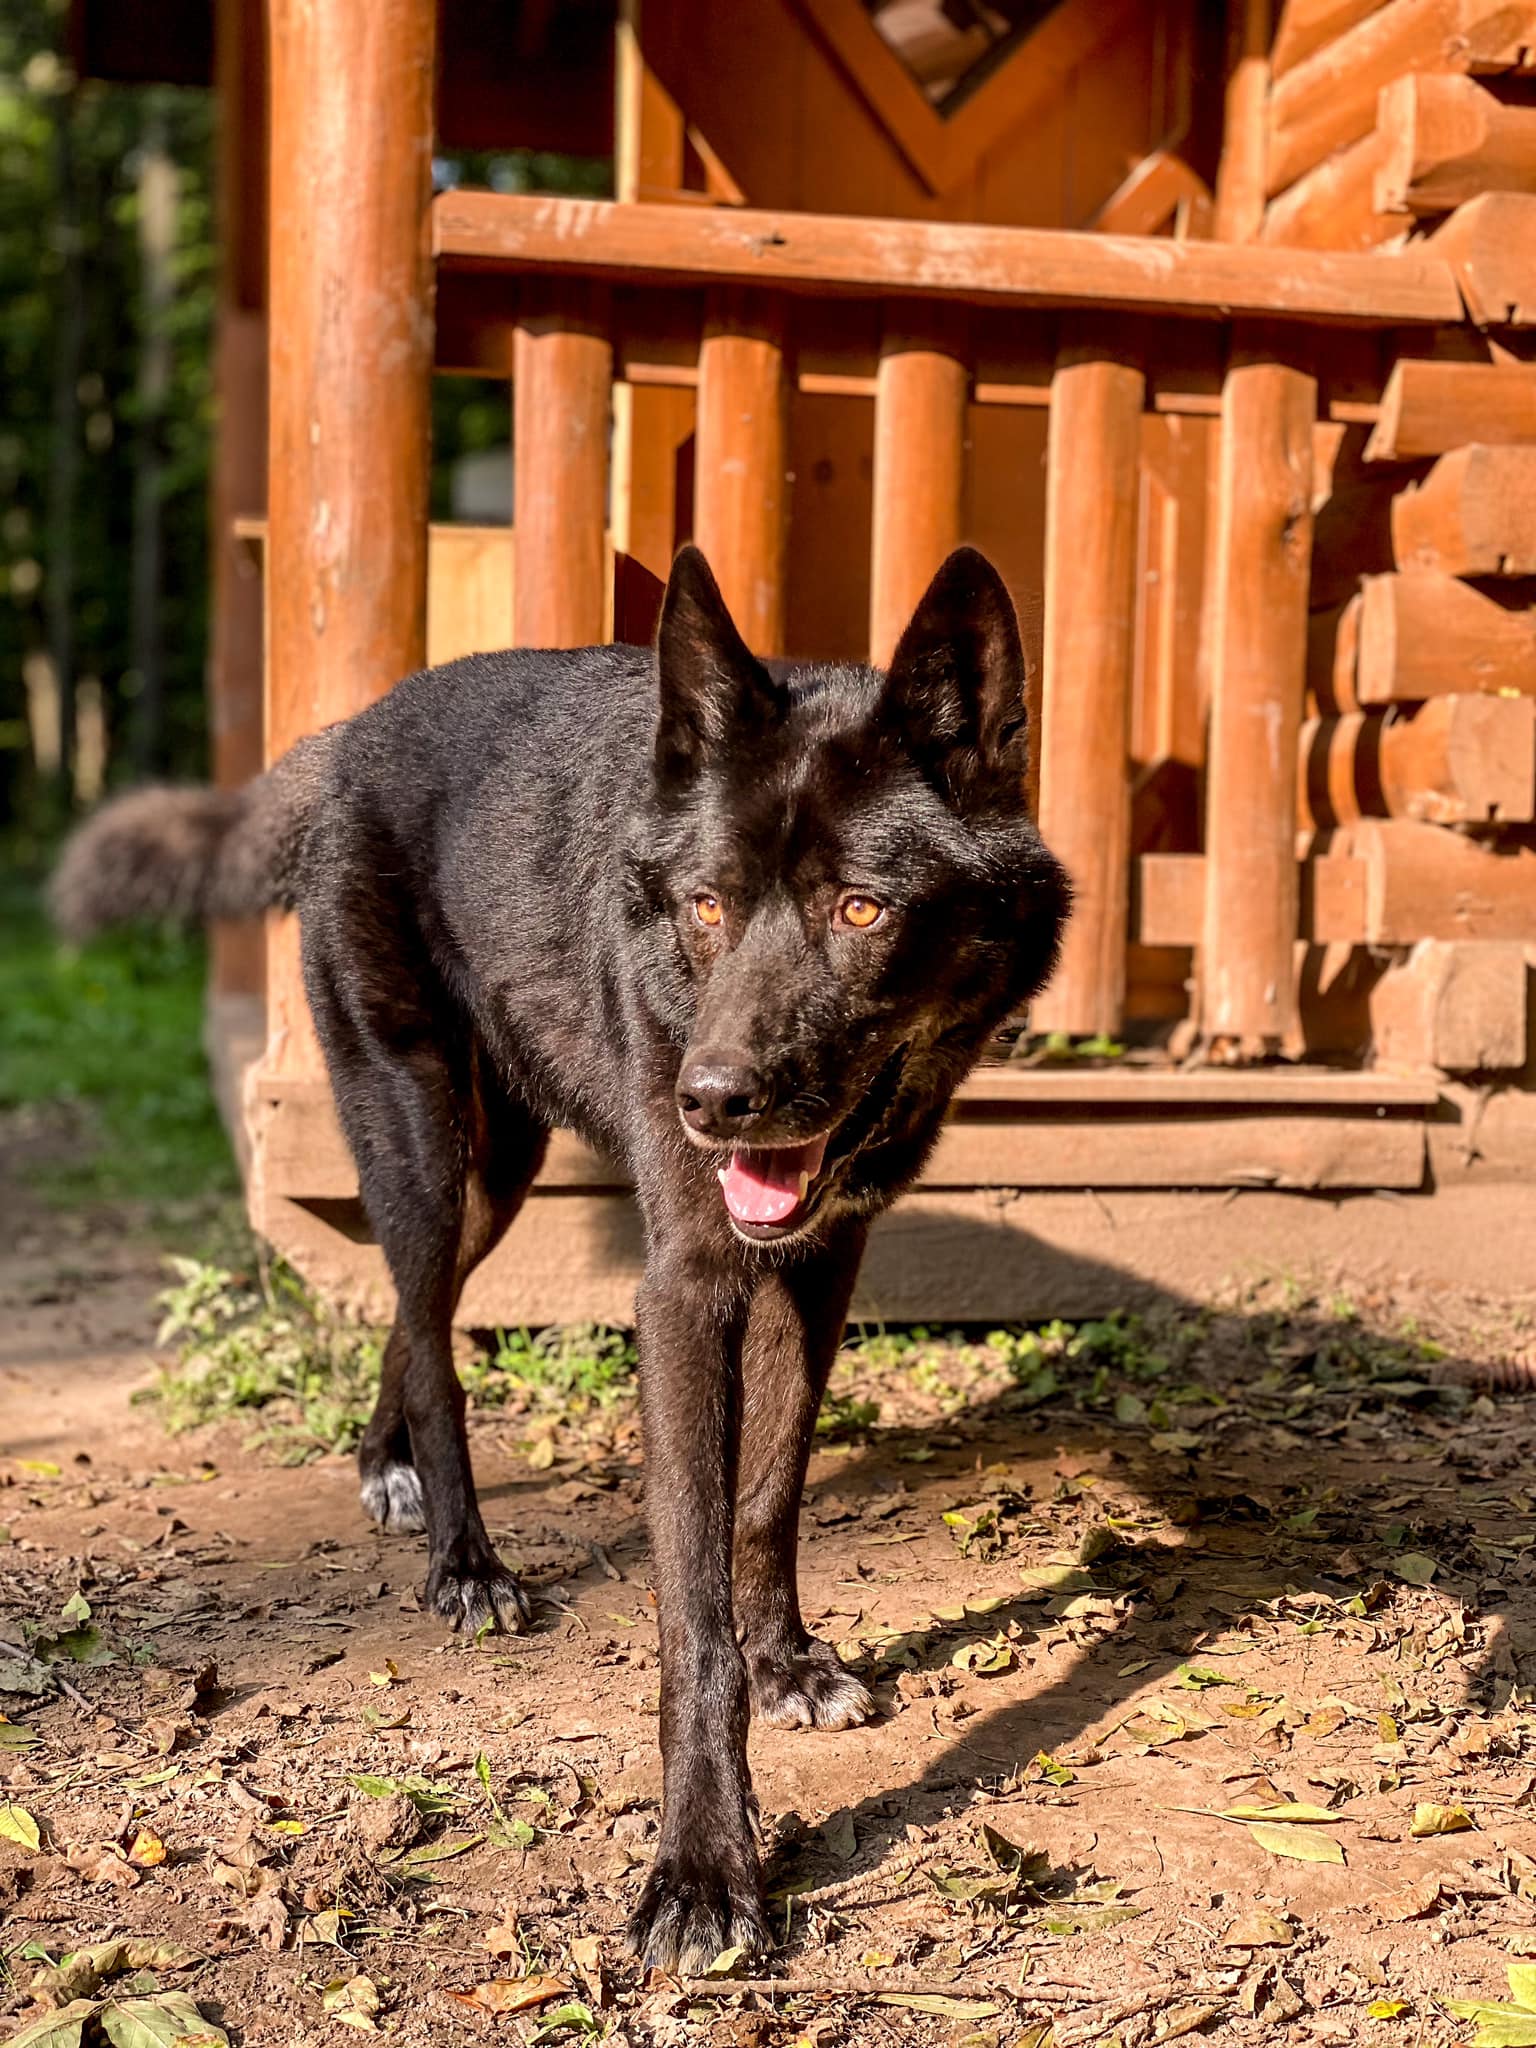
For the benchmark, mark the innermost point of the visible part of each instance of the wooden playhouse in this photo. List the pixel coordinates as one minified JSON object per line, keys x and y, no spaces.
{"x":1212,"y":325}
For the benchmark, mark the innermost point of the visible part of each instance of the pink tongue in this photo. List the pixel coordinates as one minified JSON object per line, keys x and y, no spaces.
{"x":763,"y":1185}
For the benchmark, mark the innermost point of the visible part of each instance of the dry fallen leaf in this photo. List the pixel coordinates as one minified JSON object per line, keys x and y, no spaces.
{"x":512,"y":1994}
{"x":1306,"y":1845}
{"x":146,"y":1849}
{"x":1429,"y":1819}
{"x":1259,"y":1930}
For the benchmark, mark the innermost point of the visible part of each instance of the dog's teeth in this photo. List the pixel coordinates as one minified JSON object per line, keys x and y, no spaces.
{"x":805,"y":1182}
{"x":720,"y":1175}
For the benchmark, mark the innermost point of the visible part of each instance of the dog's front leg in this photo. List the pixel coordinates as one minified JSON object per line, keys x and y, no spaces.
{"x":793,"y":1331}
{"x":704,"y":1892}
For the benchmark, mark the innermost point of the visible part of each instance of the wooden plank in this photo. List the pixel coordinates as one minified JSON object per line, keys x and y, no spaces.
{"x":1329,"y":100}
{"x":1259,"y":642}
{"x":1448,"y":140}
{"x":1008,"y":1128}
{"x":1429,"y":408}
{"x":1473,"y":515}
{"x":1454,"y":761}
{"x":1090,"y":617}
{"x":350,"y":388}
{"x":741,"y":487}
{"x":1333,"y":206}
{"x":919,"y":487}
{"x":1428,"y":882}
{"x":1430,"y":636}
{"x":562,"y":381}
{"x":1159,"y":190}
{"x":1456,"y":1005}
{"x":1171,"y":895}
{"x":1490,"y":244}
{"x":1307,"y":25}
{"x":827,"y":253}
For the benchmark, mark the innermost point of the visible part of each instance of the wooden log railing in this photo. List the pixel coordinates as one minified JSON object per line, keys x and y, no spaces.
{"x":930,"y":321}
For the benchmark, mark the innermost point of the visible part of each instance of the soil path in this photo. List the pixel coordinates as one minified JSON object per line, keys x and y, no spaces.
{"x":1282,"y":1572}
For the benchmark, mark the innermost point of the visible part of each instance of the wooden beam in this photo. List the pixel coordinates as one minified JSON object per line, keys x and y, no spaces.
{"x":1473,"y":515}
{"x":1263,"y":559}
{"x":1092,"y":452}
{"x":1453,"y":761}
{"x":983,"y":266}
{"x":1429,"y":882}
{"x":562,"y":382}
{"x":741,"y":462}
{"x":920,"y":440}
{"x":1160,"y":189}
{"x":1308,"y":25}
{"x":1171,"y":891}
{"x":1457,"y":1005}
{"x":1490,"y":244}
{"x":236,"y":635}
{"x":1333,"y":206}
{"x":1329,"y":100}
{"x":350,"y":383}
{"x":1430,"y":636}
{"x":1429,"y":408}
{"x":1448,"y":140}
{"x":1333,"y":654}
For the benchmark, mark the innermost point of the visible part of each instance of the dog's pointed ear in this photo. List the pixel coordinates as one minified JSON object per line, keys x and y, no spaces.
{"x":710,"y":687}
{"x":955,"y":688}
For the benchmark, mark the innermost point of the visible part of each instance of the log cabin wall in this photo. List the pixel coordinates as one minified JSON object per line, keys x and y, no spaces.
{"x":1403,"y":125}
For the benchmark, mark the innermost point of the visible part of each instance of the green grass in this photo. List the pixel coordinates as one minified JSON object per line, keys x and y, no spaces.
{"x":112,"y":1036}
{"x":255,"y":1343}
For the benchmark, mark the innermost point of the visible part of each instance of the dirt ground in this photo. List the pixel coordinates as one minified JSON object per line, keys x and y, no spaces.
{"x":1286,"y":1570}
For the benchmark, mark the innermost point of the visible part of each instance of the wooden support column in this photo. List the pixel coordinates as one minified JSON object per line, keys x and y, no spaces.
{"x":741,"y":461}
{"x":237,"y":952}
{"x":1259,"y":660}
{"x":921,"y":388}
{"x":1240,"y":175}
{"x":351,"y":374}
{"x":562,"y":384}
{"x":1092,"y":452}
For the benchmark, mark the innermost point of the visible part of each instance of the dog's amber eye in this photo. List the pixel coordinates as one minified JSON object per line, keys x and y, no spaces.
{"x":860,"y":911}
{"x":707,"y":910}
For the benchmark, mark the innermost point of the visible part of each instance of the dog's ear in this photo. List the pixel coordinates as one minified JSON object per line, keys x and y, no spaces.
{"x":955,"y":689}
{"x":710,"y":687}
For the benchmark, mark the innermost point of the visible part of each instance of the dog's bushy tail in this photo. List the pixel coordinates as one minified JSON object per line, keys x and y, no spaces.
{"x":185,"y":855}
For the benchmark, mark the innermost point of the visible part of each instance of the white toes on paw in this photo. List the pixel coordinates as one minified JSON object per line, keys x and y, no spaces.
{"x":392,"y":1497}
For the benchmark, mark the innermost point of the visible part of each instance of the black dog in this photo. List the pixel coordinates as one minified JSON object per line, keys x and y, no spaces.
{"x":745,"y":926}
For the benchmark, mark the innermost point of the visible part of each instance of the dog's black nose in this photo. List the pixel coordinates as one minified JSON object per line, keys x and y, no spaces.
{"x":721,"y":1093}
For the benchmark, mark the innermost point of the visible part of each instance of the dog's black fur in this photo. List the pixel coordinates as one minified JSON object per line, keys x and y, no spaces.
{"x":700,"y":909}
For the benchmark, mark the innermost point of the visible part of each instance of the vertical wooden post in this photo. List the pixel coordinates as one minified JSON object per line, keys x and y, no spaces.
{"x":1258,"y":680}
{"x":1240,"y":174}
{"x":1092,"y":453}
{"x":237,"y":952}
{"x":921,"y":388}
{"x":652,"y":424}
{"x":562,"y":385}
{"x":741,"y":464}
{"x":351,"y":371}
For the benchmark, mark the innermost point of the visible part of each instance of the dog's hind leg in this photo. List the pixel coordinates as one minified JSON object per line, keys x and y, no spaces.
{"x":406,"y":1073}
{"x":506,"y":1148}
{"x":793,"y":1330}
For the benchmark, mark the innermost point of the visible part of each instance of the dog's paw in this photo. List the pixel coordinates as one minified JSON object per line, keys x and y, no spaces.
{"x":806,"y":1687}
{"x":476,"y":1594}
{"x":391,"y":1496}
{"x":688,"y":1913}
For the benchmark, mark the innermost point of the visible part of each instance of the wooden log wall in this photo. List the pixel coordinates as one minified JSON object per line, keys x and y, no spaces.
{"x":1412,"y":123}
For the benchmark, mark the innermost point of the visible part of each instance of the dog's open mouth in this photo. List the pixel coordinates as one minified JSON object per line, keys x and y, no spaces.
{"x":768,"y":1187}
{"x":770,"y":1190}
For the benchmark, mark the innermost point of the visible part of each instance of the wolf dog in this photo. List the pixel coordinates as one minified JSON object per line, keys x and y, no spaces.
{"x":742,"y":924}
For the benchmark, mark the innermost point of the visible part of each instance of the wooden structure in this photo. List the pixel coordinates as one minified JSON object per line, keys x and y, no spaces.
{"x":1214,"y":328}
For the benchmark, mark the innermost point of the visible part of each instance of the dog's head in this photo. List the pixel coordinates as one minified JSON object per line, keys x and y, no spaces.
{"x":842,"y":891}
